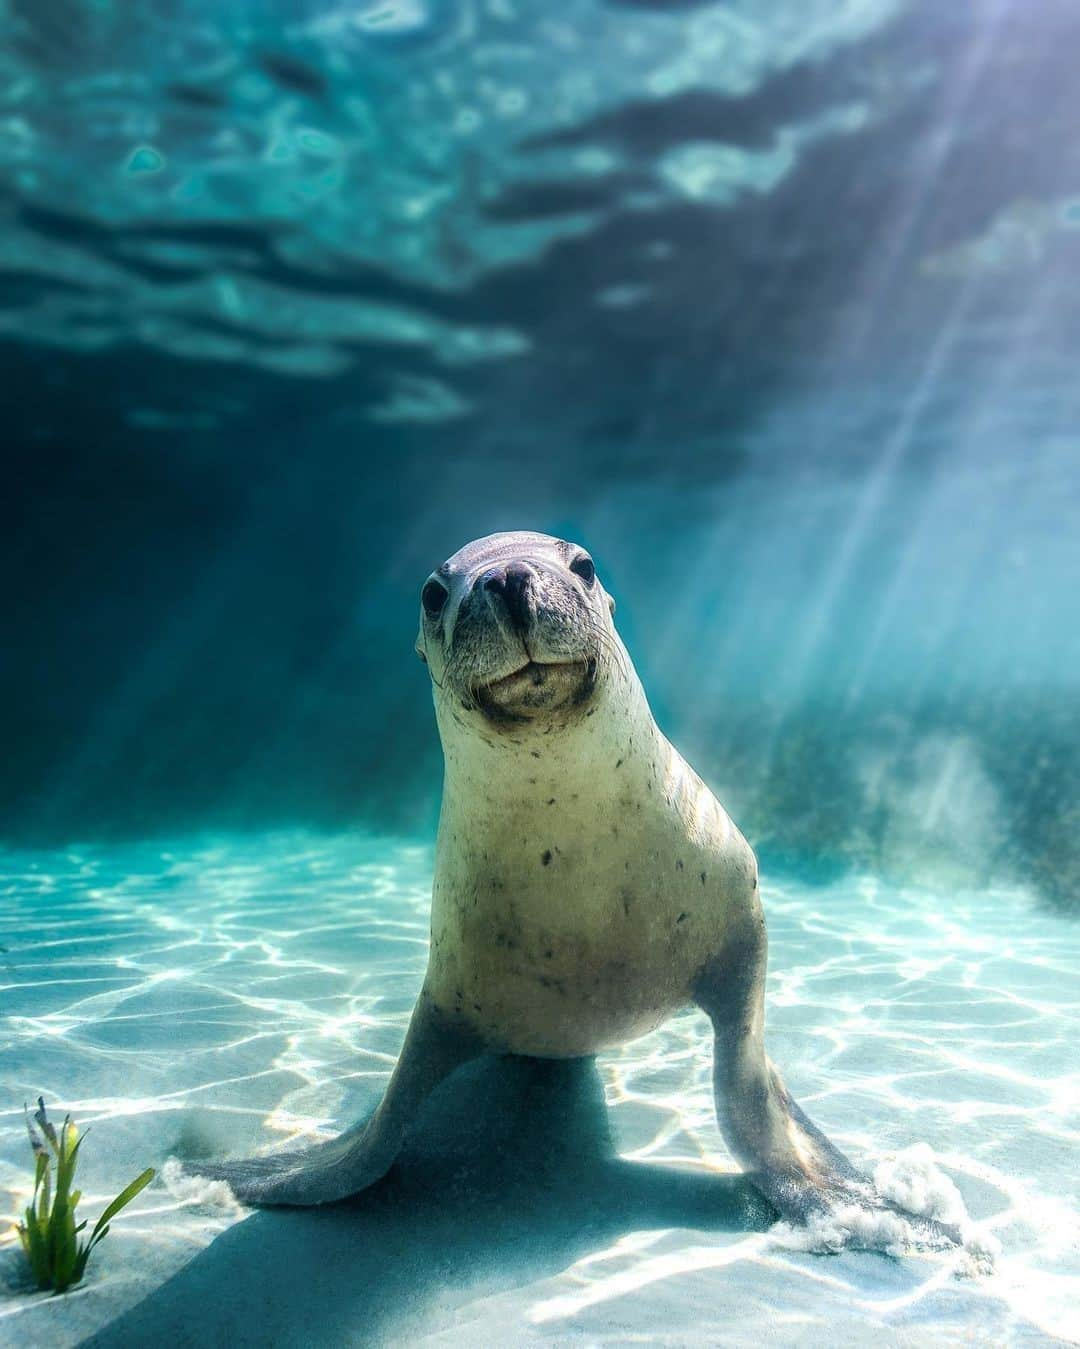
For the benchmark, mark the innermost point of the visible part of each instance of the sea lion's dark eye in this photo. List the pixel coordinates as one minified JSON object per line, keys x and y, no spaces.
{"x":583,"y":566}
{"x":433,"y":597}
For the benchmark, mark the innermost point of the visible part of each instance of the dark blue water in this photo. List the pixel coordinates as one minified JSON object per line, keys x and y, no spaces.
{"x":773,"y":307}
{"x":770,"y":305}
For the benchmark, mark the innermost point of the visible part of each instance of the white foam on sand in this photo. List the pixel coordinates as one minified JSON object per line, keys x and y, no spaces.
{"x":210,"y":998}
{"x":197,"y":1190}
{"x":912,"y":1180}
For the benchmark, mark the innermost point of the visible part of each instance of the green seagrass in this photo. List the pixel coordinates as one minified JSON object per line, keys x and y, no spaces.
{"x":48,"y":1232}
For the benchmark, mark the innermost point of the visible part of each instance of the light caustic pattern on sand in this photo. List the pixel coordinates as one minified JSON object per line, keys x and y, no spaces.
{"x":232,"y":994}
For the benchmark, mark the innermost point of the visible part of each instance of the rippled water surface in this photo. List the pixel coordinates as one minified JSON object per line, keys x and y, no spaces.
{"x":213,"y":996}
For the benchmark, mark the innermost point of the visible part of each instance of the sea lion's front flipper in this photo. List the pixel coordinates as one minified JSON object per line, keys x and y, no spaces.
{"x":785,"y":1154}
{"x":434,"y":1047}
{"x":789,"y":1159}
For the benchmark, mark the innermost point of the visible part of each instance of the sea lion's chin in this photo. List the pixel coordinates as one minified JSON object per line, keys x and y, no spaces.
{"x":538,"y":689}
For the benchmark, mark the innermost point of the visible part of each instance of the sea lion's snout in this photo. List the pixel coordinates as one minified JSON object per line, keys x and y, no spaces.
{"x":514,"y":627}
{"x":509,"y":586}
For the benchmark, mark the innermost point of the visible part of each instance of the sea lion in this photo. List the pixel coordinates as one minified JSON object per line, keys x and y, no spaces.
{"x":587,"y":883}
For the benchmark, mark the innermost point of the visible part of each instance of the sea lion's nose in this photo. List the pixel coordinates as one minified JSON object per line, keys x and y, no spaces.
{"x":511,"y":583}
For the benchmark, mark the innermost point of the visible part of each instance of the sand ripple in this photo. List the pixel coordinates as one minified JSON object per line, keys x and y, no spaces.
{"x":234,"y":993}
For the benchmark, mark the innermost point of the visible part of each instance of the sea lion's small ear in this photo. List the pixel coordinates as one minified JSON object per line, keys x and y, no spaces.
{"x":611,"y":606}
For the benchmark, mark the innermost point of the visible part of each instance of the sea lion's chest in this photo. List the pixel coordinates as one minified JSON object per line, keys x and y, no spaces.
{"x":561,"y":935}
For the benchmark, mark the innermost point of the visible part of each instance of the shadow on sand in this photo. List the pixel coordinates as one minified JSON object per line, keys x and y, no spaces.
{"x":510,"y":1176}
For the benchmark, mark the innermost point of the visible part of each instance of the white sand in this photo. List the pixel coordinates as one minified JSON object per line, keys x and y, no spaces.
{"x":226,"y":998}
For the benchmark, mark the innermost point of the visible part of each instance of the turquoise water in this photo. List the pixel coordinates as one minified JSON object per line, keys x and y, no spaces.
{"x":769,"y":304}
{"x":202,"y":996}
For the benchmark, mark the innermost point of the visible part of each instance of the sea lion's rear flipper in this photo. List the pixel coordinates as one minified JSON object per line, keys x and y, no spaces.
{"x":434,"y":1047}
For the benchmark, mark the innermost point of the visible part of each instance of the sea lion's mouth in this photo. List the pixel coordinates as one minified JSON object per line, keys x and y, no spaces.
{"x":537,"y":687}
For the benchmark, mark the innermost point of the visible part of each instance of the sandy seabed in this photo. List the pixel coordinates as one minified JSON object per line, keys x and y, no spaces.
{"x":213,"y":997}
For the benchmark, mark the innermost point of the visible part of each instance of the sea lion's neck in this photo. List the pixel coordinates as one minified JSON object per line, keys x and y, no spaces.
{"x":609,"y":750}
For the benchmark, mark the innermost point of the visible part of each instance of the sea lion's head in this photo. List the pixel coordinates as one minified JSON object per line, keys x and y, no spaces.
{"x":516,"y":630}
